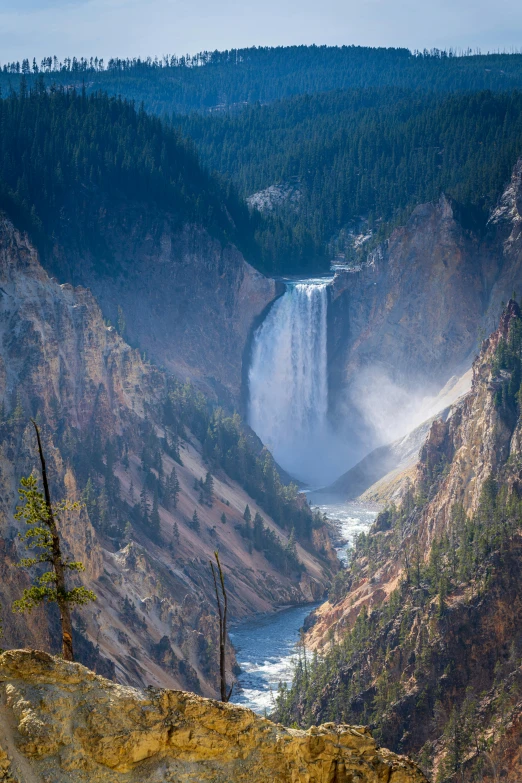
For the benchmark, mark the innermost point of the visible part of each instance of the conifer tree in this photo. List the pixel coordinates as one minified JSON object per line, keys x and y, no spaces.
{"x":144,"y":507}
{"x":17,"y":415}
{"x":195,"y":521}
{"x":37,"y":510}
{"x":173,"y":489}
{"x":291,"y":547}
{"x":154,"y":521}
{"x":258,"y":531}
{"x":89,"y":500}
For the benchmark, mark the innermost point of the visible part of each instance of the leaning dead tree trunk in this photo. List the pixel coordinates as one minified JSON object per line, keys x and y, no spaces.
{"x":222,"y":613}
{"x":57,"y":562}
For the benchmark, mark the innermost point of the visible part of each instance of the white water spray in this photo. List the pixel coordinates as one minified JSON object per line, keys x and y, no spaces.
{"x":288,"y":379}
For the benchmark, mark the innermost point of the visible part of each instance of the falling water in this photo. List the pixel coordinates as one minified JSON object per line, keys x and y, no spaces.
{"x":288,"y":379}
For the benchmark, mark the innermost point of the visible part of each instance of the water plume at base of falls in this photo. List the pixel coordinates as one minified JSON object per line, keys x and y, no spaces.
{"x":288,"y":381}
{"x":288,"y":393}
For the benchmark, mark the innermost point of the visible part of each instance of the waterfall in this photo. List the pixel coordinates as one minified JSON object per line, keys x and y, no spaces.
{"x":288,"y":379}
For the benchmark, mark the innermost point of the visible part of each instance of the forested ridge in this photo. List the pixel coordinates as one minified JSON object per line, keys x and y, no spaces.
{"x":68,"y":159}
{"x":371,"y":154}
{"x":216,"y":80}
{"x":376,"y":133}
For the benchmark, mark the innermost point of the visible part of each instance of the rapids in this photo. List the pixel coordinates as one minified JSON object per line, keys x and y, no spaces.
{"x":266,"y":646}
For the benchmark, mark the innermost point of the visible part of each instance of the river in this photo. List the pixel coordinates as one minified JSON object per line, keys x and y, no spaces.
{"x":288,"y":408}
{"x":265,"y":646}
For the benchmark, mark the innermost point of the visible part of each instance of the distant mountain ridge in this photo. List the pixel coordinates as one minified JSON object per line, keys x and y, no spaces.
{"x":220,"y":81}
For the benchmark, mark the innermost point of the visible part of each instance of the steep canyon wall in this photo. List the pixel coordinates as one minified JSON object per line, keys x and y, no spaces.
{"x":415,"y":314}
{"x":101,"y":409}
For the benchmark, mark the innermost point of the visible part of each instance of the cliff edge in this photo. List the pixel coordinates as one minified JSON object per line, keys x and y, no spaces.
{"x":62,"y":723}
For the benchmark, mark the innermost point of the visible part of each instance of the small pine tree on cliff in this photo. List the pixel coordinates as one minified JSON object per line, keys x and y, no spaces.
{"x":173,"y":489}
{"x":154,"y":519}
{"x":40,"y":514}
{"x":195,"y":524}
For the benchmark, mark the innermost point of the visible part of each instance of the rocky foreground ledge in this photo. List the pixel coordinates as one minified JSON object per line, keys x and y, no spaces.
{"x":61,"y":723}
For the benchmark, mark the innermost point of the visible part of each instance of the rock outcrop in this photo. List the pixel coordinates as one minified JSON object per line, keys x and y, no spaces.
{"x":275,"y":196}
{"x":63,"y":724}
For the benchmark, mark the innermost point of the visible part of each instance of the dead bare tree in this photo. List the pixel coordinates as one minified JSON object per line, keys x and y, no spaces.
{"x":222,"y":613}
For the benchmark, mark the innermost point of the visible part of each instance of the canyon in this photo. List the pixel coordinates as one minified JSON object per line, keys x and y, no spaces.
{"x":64,"y":360}
{"x":201,"y":381}
{"x":418,"y":661}
{"x":100,"y":403}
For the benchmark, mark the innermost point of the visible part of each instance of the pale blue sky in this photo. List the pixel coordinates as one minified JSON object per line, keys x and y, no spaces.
{"x":134,"y":27}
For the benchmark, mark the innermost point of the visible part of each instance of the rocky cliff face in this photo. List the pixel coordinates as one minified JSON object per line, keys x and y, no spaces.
{"x":412,"y":310}
{"x":187,"y":300}
{"x":412,"y":317}
{"x":63,"y":724}
{"x":100,"y":406}
{"x":420,"y":636}
{"x":461,"y":451}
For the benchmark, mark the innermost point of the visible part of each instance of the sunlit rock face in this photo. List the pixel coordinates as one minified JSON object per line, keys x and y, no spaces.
{"x":413,"y":317}
{"x":474,"y":440}
{"x":62,"y":723}
{"x":478,"y":442}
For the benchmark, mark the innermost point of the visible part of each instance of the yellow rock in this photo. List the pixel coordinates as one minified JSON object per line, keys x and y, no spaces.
{"x":63,"y":724}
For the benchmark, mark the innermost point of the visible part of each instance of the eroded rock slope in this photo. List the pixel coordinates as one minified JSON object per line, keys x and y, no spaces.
{"x":187,"y":299}
{"x":421,"y":635}
{"x":110,"y":443}
{"x":414,"y":315}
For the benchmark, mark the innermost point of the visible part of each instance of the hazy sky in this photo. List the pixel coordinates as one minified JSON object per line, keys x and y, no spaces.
{"x":137,"y":27}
